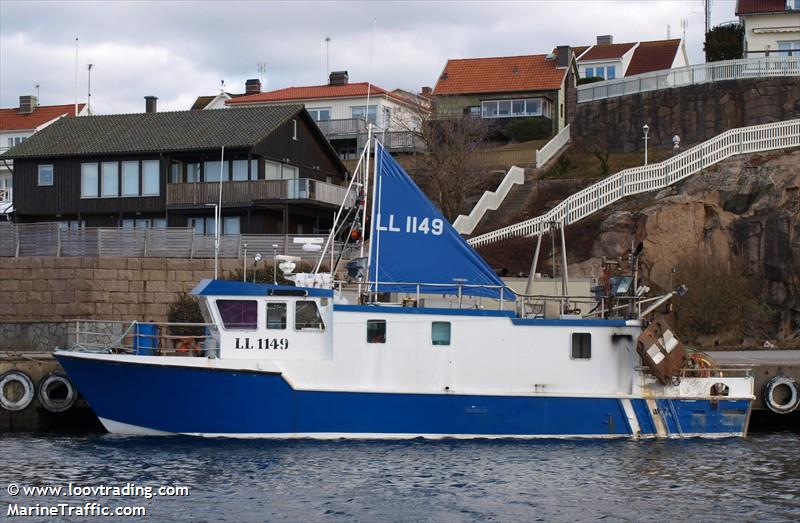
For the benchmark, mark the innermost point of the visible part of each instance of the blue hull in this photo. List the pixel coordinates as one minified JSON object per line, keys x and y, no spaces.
{"x":242,"y":403}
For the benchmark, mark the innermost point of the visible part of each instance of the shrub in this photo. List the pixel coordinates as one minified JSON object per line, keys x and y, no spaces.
{"x":602,"y":157}
{"x":590,"y":80}
{"x":526,"y":129}
{"x":185,"y":309}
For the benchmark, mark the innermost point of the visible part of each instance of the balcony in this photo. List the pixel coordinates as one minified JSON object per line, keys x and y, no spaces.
{"x":342,"y":127}
{"x":244,"y":193}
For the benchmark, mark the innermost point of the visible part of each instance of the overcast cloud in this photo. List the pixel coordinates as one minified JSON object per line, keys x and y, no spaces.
{"x":180,"y":50}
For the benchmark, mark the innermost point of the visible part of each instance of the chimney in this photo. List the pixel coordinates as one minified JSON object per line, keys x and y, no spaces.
{"x":427,"y":91}
{"x":563,"y":55}
{"x":338,"y":78}
{"x":605,"y":39}
{"x":252,"y":86}
{"x":27,"y":104}
{"x":150,"y":104}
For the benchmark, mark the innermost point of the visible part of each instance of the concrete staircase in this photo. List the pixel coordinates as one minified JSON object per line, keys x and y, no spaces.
{"x":511,"y":206}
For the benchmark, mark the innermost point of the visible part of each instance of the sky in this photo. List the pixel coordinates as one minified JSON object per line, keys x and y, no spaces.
{"x":178,"y":50}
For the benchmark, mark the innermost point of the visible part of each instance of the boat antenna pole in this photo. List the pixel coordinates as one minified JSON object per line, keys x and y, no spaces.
{"x":218,"y":216}
{"x":369,"y":144}
{"x":564,"y":274}
{"x":377,"y":187}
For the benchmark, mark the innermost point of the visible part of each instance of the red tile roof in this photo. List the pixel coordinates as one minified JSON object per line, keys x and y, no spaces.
{"x":748,"y":7}
{"x":499,"y":74}
{"x":312,"y":92}
{"x":12,"y":120}
{"x":607,"y":51}
{"x":653,"y":56}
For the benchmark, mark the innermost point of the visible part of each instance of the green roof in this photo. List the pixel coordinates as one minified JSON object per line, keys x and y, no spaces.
{"x":155,"y":132}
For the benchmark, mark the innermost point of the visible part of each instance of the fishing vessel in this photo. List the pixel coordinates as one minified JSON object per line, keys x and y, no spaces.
{"x":421,"y":339}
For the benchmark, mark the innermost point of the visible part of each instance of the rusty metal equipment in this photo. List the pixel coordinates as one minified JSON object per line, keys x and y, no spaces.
{"x":661,"y":351}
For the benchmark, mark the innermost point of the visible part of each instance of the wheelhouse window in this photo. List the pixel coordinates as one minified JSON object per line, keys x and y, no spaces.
{"x":45,"y":174}
{"x":376,"y":331}
{"x":514,"y":108}
{"x":276,"y":315}
{"x":440,"y":333}
{"x":581,"y":346}
{"x":89,"y":180}
{"x":109,"y":183}
{"x":238,"y":314}
{"x":150,"y":178}
{"x":307,"y":316}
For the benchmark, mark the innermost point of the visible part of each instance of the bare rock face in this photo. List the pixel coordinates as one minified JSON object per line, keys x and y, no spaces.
{"x":746,"y":207}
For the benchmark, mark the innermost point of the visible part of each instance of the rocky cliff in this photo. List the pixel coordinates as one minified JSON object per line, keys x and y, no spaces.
{"x":746,"y":208}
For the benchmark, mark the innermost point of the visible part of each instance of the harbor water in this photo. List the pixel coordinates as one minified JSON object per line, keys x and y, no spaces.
{"x":752,"y":479}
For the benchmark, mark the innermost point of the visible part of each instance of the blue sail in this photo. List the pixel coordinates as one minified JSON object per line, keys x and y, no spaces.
{"x":413,"y":242}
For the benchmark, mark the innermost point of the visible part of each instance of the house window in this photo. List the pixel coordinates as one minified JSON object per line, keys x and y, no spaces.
{"x":512,"y":108}
{"x":240,"y":170}
{"x":581,"y":346}
{"x":175,"y":175}
{"x":254,"y":169}
{"x":320,"y":114}
{"x":109,"y":182}
{"x":272,"y":170}
{"x":307,"y":316}
{"x":600,"y":72}
{"x":150,"y":177}
{"x":289,"y":172}
{"x":589,"y":72}
{"x":440,"y":333}
{"x":789,"y":47}
{"x":230,"y":225}
{"x":518,"y":108}
{"x":45,"y":174}
{"x":361,"y":112}
{"x":159,"y":223}
{"x":192,"y":172}
{"x":276,"y":316}
{"x":89,"y":180}
{"x":238,"y":314}
{"x":212,"y":171}
{"x":611,"y":72}
{"x":130,"y":178}
{"x":294,"y":130}
{"x":376,"y":331}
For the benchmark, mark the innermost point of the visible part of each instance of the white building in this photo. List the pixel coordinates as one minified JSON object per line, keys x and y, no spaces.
{"x":770,"y":27}
{"x":608,"y":60}
{"x":19,"y":123}
{"x":342,"y":110}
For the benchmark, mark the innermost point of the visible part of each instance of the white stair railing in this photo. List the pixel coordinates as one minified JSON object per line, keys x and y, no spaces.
{"x":490,"y":201}
{"x":769,"y":66}
{"x":544,"y":154}
{"x":757,"y":138}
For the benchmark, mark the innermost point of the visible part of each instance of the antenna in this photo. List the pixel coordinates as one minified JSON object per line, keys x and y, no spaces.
{"x":684,"y":26}
{"x":327,"y":57}
{"x":262,"y":68}
{"x":37,"y":92}
{"x":708,"y":4}
{"x":222,"y":86}
{"x":89,"y":89}
{"x":668,"y":32}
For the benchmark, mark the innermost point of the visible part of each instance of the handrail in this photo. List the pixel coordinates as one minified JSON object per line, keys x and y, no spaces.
{"x":489,"y":201}
{"x":761,"y":67}
{"x":756,"y":138}
{"x":544,"y":154}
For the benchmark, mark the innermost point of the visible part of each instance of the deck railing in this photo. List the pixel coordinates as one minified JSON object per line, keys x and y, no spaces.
{"x":6,"y":195}
{"x":52,"y":239}
{"x":490,"y":201}
{"x":758,"y":138}
{"x":245,"y":192}
{"x":555,"y":144}
{"x":768,"y":66}
{"x":343,"y":126}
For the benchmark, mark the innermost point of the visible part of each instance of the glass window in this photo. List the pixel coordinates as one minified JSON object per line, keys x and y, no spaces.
{"x":238,"y":314}
{"x":589,"y":72}
{"x":150,"y":178}
{"x":376,"y":331}
{"x":159,"y":223}
{"x":254,"y":169}
{"x":307,"y":316}
{"x":440,"y":333}
{"x":175,"y":174}
{"x":272,"y":171}
{"x":192,"y":172}
{"x":289,"y":172}
{"x":240,"y":170}
{"x":45,"y":174}
{"x":89,"y":180}
{"x":611,"y":72}
{"x":127,"y":223}
{"x":504,"y":108}
{"x":489,"y":109}
{"x":212,"y":172}
{"x":600,"y":72}
{"x":533,"y":107}
{"x":359,"y":111}
{"x":130,"y":178}
{"x":320,"y":114}
{"x":230,"y":225}
{"x":211,"y":225}
{"x":518,"y":107}
{"x":276,"y":316}
{"x":581,"y":345}
{"x":109,"y":183}
{"x":142,"y":223}
{"x":198,"y":224}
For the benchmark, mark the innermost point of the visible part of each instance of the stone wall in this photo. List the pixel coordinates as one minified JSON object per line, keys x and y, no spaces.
{"x":695,"y":113}
{"x":49,"y":289}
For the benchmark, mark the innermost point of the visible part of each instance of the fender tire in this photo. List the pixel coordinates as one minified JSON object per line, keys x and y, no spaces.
{"x":27,"y":386}
{"x":56,"y":405}
{"x":769,"y":395}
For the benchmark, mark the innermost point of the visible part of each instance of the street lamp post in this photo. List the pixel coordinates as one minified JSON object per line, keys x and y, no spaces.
{"x":646,"y":129}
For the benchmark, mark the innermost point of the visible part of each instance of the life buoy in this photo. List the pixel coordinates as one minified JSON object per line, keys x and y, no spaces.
{"x":781,"y":395}
{"x":187,"y":347}
{"x":25,"y":382}
{"x":56,"y":379}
